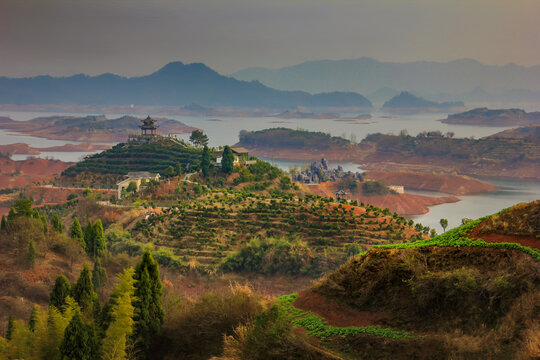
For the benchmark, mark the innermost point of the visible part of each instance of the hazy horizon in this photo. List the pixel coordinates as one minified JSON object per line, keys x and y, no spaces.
{"x":62,"y":37}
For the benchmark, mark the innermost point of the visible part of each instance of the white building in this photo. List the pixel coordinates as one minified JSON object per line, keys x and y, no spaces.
{"x":136,"y":177}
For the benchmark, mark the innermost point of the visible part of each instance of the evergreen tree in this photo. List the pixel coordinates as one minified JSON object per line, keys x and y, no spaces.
{"x":33,"y":319}
{"x":99,"y":275}
{"x":10,"y":328}
{"x":89,"y":238}
{"x":31,"y":253}
{"x":198,"y":138}
{"x":148,"y":292}
{"x":205,"y":161}
{"x":12,"y":213}
{"x":100,"y":245}
{"x":83,"y":291}
{"x":57,"y":224}
{"x":60,"y":292}
{"x":120,"y":326}
{"x":80,"y":341}
{"x":227,"y":160}
{"x":3,"y":224}
{"x":77,"y":233}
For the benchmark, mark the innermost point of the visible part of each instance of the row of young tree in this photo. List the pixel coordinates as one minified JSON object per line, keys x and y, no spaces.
{"x":76,"y":327}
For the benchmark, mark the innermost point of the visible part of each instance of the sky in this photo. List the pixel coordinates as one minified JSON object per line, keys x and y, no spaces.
{"x":135,"y":37}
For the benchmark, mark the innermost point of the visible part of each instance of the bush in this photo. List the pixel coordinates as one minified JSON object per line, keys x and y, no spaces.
{"x":270,"y":256}
{"x":374,"y":188}
{"x":196,"y":330}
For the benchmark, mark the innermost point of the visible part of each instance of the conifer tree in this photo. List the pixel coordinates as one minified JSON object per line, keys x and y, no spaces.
{"x":10,"y":328}
{"x":99,"y":275}
{"x":83,"y":291}
{"x":33,"y":319}
{"x":77,"y":233}
{"x":12,"y":213}
{"x":100,"y":245}
{"x":3,"y":224}
{"x":205,"y":161}
{"x":60,"y":292}
{"x":57,"y":224}
{"x":31,"y":253}
{"x":148,"y":292}
{"x":89,"y":238}
{"x":80,"y":341}
{"x":227,"y":160}
{"x":121,"y":322}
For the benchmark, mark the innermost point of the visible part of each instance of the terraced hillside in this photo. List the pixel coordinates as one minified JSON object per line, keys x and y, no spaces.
{"x":126,"y":157}
{"x":449,"y":297}
{"x":215,"y":231}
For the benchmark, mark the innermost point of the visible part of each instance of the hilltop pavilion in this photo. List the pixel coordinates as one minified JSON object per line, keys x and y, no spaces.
{"x":148,"y":127}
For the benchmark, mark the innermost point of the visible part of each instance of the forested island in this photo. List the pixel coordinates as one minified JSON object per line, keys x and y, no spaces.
{"x":498,"y":117}
{"x":406,"y":102}
{"x":426,"y":152}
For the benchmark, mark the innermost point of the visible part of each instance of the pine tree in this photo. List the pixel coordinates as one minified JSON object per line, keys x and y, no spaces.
{"x":12,"y":213}
{"x":57,"y":224}
{"x":120,"y":326}
{"x":83,"y":291}
{"x":89,"y":238}
{"x":31,"y":253}
{"x":148,"y":292}
{"x":99,"y":275}
{"x":33,"y":319}
{"x":100,"y":245}
{"x":60,"y":292}
{"x":205,"y":161}
{"x":77,"y":233}
{"x":80,"y":341}
{"x":10,"y":328}
{"x":227,"y":160}
{"x":3,"y":224}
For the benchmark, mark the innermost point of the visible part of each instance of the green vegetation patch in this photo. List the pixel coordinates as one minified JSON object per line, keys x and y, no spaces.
{"x":457,"y":237}
{"x":319,"y":328}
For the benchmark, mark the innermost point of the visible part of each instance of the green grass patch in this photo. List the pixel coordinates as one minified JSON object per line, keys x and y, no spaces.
{"x":319,"y":328}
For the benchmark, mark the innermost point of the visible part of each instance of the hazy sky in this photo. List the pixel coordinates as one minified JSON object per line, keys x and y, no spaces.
{"x":131,"y":37}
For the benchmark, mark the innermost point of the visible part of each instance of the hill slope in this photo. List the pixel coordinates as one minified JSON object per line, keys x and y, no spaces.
{"x":449,"y":297}
{"x":174,"y":84}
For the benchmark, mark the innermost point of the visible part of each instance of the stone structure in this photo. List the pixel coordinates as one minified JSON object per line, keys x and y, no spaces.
{"x":319,"y":172}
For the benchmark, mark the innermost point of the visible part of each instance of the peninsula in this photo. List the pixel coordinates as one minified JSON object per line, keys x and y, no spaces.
{"x":87,"y":128}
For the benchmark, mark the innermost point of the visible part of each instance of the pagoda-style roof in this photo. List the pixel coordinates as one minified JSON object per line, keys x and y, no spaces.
{"x":149,"y":124}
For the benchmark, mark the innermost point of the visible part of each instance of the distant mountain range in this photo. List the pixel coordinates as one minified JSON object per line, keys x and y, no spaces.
{"x":466,"y":79}
{"x":407,"y":102}
{"x":176,"y":84}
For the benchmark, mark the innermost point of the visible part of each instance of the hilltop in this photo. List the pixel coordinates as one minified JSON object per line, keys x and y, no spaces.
{"x":452,"y":296}
{"x":406,"y":102}
{"x":172,"y":85}
{"x":88,"y":128}
{"x":527,"y":132}
{"x":107,"y":167}
{"x":501,"y":117}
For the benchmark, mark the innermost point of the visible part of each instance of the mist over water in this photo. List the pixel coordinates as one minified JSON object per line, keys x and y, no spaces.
{"x":224,"y":131}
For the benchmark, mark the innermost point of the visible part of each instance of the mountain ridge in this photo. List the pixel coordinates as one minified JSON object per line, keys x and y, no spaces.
{"x":175,"y":84}
{"x":367,"y":75}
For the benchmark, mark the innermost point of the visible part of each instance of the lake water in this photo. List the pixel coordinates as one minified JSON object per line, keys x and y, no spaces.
{"x":225,"y":131}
